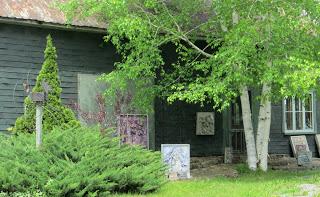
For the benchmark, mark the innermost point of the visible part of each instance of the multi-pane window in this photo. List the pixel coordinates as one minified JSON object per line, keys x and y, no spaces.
{"x":299,"y":114}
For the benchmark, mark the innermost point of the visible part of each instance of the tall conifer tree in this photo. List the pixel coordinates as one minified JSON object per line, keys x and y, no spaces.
{"x":55,"y":114}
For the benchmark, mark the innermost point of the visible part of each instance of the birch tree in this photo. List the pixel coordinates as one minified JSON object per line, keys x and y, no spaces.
{"x":268,"y":45}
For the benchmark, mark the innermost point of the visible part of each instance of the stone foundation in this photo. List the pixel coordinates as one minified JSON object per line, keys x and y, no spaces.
{"x":285,"y":162}
{"x":276,"y":162}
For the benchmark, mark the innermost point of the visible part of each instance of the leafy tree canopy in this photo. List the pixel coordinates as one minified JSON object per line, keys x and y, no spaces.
{"x":248,"y":43}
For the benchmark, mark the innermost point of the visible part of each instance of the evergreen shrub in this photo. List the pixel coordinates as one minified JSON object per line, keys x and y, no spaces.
{"x":55,"y":113}
{"x":77,"y":162}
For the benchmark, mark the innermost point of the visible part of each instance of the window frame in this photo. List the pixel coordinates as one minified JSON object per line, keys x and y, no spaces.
{"x":294,"y":131}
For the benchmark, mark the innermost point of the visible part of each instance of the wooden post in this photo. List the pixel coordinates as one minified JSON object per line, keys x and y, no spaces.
{"x":39,"y":114}
{"x":39,"y":98}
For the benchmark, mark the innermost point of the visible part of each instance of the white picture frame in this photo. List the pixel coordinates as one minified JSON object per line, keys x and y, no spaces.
{"x":299,"y":143}
{"x":177,"y":158}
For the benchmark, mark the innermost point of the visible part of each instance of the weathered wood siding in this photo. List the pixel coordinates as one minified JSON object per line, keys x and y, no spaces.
{"x":21,"y":57}
{"x":279,"y":142}
{"x":176,"y":124}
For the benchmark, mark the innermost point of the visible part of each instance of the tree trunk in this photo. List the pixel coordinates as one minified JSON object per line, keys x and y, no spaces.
{"x":263,"y":130}
{"x":259,"y":139}
{"x":248,"y":129}
{"x":261,"y":126}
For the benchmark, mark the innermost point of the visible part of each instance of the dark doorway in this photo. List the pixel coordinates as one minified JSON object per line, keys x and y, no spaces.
{"x":237,"y":137}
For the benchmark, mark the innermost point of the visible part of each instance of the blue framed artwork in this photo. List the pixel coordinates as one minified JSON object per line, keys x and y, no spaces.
{"x":177,"y":158}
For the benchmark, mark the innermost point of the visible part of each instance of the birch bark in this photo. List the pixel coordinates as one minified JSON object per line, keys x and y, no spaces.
{"x":248,"y":129}
{"x":261,"y":125}
{"x":263,"y":132}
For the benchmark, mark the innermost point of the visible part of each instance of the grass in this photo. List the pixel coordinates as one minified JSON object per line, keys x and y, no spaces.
{"x":258,"y":184}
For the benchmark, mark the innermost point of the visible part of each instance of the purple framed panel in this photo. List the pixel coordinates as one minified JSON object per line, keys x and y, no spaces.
{"x":133,"y":129}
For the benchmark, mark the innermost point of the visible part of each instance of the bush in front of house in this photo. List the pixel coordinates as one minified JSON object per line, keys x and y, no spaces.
{"x":54,"y":113}
{"x":25,"y":194}
{"x":77,"y":162}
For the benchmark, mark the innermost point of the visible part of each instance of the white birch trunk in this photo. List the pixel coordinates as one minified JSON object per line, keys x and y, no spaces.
{"x":248,"y":129}
{"x":263,"y":132}
{"x":261,"y":126}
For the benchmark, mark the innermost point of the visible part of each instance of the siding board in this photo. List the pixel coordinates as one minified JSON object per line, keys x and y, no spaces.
{"x":176,"y":124}
{"x":21,"y":57}
{"x":279,"y":142}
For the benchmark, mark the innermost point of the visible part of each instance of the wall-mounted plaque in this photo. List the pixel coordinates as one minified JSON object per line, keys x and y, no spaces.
{"x":205,"y":123}
{"x":177,"y":157}
{"x":133,"y":129}
{"x":299,"y":143}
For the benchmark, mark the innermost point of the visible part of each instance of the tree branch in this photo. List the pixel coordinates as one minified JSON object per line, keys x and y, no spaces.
{"x":208,"y":55}
{"x":179,"y":33}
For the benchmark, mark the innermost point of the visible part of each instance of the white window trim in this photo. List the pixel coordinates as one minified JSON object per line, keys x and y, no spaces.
{"x":302,"y":131}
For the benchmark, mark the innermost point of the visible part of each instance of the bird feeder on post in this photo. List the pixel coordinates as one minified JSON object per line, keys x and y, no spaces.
{"x":39,"y":98}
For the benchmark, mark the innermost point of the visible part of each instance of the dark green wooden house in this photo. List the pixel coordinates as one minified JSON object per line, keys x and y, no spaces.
{"x":82,"y":56}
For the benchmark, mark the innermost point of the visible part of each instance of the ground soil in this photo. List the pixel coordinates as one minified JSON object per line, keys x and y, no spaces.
{"x":227,"y":170}
{"x":208,"y":167}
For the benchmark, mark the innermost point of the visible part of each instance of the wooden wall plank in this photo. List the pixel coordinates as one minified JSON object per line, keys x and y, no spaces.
{"x":21,"y":57}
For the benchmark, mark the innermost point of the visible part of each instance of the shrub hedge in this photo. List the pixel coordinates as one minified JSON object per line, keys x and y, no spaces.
{"x":77,"y":162}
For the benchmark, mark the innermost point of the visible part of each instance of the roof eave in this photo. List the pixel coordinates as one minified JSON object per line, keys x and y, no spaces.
{"x":48,"y":25}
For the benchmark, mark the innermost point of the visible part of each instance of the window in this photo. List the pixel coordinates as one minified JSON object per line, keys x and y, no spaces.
{"x":299,"y":115}
{"x":88,"y":90}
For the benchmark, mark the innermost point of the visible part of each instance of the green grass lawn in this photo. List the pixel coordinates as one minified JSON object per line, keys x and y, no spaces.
{"x":272,"y":183}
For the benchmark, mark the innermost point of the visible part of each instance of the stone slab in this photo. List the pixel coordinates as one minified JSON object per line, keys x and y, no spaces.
{"x":304,"y":158}
{"x":177,"y":158}
{"x":299,"y":143}
{"x":205,"y":123}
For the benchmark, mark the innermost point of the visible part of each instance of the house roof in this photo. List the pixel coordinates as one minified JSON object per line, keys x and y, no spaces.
{"x":41,"y":12}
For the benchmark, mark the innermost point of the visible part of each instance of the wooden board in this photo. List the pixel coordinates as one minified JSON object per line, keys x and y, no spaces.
{"x":317,"y":138}
{"x":37,"y":96}
{"x":227,"y":155}
{"x":299,"y":143}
